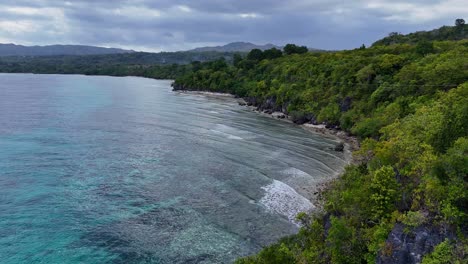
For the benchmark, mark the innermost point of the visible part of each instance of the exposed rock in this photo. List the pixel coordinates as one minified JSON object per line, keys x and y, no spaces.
{"x":301,"y":118}
{"x":339,"y":147}
{"x":278,"y":115}
{"x":410,"y":246}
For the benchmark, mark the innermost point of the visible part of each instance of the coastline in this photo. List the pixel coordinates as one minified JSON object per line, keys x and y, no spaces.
{"x":211,"y":94}
{"x":284,"y":191}
{"x":350,"y":143}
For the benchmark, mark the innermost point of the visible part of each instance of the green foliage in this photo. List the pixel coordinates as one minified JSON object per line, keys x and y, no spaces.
{"x":424,"y":47}
{"x":446,"y":187}
{"x":384,"y":192}
{"x":455,"y":114}
{"x":413,"y":219}
{"x":457,"y":32}
{"x":369,"y":127}
{"x":164,"y":65}
{"x":376,"y":237}
{"x":442,"y":254}
{"x":272,"y":53}
{"x":255,"y":55}
{"x":293,"y":49}
{"x":409,"y":105}
{"x":360,"y":90}
{"x":459,"y":22}
{"x":236,"y":60}
{"x":329,"y":114}
{"x":343,"y":244}
{"x":276,"y":254}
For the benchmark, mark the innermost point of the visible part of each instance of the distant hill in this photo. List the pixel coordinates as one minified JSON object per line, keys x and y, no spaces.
{"x":444,"y":33}
{"x":236,"y":47}
{"x":52,"y":50}
{"x":107,"y":64}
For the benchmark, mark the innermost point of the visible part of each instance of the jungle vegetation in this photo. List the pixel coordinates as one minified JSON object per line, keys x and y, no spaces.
{"x":406,"y":98}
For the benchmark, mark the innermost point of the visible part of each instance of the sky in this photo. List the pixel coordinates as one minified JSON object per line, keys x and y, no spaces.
{"x":172,"y":25}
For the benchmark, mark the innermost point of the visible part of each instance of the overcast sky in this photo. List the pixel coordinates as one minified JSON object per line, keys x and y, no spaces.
{"x":169,"y":25}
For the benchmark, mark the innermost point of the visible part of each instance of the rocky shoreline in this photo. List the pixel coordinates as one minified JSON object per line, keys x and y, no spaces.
{"x":406,"y":247}
{"x":348,"y":144}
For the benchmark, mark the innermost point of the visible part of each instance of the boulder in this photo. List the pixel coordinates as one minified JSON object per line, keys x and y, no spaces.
{"x":339,"y":147}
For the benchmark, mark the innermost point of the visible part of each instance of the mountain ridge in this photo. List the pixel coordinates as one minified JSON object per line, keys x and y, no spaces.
{"x":10,"y":49}
{"x":238,"y":46}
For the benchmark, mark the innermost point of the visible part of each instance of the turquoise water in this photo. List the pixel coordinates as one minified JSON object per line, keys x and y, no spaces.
{"x":123,"y":170}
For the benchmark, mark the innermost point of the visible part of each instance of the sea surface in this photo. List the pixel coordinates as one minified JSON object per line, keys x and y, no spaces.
{"x":124,"y":170}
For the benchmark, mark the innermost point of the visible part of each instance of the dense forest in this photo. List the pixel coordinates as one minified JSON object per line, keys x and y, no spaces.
{"x":405,"y":200}
{"x":164,"y":65}
{"x":458,"y":32}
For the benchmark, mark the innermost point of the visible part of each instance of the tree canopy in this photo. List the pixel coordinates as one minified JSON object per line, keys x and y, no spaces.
{"x":294,"y":49}
{"x":406,"y":98}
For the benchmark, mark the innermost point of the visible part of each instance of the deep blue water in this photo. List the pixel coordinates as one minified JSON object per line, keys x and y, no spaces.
{"x":123,"y":170}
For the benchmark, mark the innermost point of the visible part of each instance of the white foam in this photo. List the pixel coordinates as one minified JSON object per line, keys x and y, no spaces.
{"x":229,"y":136}
{"x":280,"y":198}
{"x":293,"y":172}
{"x":235,"y":137}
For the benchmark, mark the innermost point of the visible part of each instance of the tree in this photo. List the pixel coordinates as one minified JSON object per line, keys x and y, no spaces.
{"x":196,"y":66}
{"x":272,"y":53}
{"x":393,"y":37}
{"x":256,"y":55}
{"x":219,"y":64}
{"x":342,"y":245}
{"x":236,"y":59}
{"x":459,"y":22}
{"x":384,"y":188}
{"x":294,"y":49}
{"x":424,"y":47}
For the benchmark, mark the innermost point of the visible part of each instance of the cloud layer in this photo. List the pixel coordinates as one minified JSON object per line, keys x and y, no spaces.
{"x":169,"y":25}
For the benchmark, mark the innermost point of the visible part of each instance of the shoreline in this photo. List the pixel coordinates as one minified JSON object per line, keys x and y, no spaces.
{"x":311,"y":192}
{"x":211,"y":94}
{"x":351,"y":143}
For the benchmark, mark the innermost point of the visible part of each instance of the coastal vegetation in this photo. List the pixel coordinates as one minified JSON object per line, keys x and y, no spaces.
{"x":405,"y":200}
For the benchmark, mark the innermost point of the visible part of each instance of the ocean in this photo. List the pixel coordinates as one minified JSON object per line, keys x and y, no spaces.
{"x":124,"y":170}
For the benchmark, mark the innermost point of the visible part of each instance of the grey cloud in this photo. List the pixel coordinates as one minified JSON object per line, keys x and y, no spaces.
{"x":183,"y":24}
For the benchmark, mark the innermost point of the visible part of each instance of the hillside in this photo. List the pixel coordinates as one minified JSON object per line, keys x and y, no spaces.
{"x":405,"y":199}
{"x":236,"y":47}
{"x":444,"y":33}
{"x":51,"y":50}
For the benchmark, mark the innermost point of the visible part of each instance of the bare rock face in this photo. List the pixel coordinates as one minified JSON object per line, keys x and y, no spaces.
{"x":407,"y":247}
